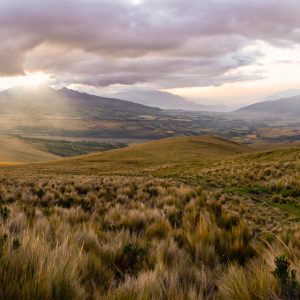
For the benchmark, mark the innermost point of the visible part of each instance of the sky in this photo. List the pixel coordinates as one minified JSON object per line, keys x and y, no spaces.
{"x":217,"y":51}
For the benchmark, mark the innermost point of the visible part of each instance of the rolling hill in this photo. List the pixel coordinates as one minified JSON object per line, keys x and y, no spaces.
{"x":165,"y":156}
{"x":14,"y":150}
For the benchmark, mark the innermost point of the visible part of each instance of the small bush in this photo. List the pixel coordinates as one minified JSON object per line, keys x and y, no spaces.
{"x":286,"y":278}
{"x":16,"y":244}
{"x":131,"y":260}
{"x":4,"y":212}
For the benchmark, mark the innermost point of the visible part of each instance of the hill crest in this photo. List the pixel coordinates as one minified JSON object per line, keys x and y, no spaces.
{"x":171,"y":153}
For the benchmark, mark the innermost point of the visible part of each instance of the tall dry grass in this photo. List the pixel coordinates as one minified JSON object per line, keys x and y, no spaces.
{"x":84,"y":237}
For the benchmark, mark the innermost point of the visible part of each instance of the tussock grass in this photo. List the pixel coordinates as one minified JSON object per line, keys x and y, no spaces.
{"x":129,"y":238}
{"x":211,"y":233}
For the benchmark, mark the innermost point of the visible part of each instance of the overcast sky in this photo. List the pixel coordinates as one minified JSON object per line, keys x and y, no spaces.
{"x":224,"y":51}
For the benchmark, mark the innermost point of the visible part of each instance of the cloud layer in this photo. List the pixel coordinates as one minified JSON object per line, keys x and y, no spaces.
{"x":163,"y":43}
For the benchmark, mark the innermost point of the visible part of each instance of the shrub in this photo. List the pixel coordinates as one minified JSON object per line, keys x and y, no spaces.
{"x":286,"y":278}
{"x":131,"y":260}
{"x":4,"y":212}
{"x":82,"y":189}
{"x":16,"y":244}
{"x":175,"y":218}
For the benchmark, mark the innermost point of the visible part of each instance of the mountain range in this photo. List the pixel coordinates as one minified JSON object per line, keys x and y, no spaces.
{"x":45,"y":100}
{"x":64,"y":113}
{"x":281,"y":108}
{"x":166,"y":100}
{"x":45,"y":112}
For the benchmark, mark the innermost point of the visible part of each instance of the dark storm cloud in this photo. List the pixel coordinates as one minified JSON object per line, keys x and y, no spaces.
{"x":168,"y":43}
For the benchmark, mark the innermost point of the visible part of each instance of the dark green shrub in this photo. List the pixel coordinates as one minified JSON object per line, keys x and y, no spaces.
{"x":151,"y":190}
{"x":286,"y":278}
{"x":4,"y":212}
{"x":39,"y":192}
{"x":16,"y":243}
{"x":3,"y":240}
{"x":180,"y":238}
{"x":175,"y":218}
{"x":66,"y":202}
{"x":131,"y":260}
{"x":82,"y":189}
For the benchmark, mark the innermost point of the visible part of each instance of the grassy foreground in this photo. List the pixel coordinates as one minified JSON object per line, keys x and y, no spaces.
{"x":198,"y":218}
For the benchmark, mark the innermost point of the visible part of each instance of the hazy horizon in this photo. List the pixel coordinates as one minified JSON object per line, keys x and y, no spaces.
{"x":229,"y":53}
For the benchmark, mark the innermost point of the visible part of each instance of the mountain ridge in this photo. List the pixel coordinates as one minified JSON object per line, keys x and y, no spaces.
{"x":70,"y":98}
{"x":283,"y":107}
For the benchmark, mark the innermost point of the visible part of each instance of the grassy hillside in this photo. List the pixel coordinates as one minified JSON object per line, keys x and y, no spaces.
{"x":222,"y":223}
{"x":64,"y":148}
{"x":14,"y":150}
{"x":166,"y":156}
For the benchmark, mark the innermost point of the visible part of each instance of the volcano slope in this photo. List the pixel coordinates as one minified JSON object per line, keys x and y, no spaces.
{"x":183,"y":218}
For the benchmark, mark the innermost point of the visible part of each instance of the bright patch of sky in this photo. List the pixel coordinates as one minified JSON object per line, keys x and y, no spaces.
{"x":279,"y":68}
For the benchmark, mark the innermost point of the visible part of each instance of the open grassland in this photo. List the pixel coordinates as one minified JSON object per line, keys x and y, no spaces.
{"x":118,"y":238}
{"x":262,"y":187}
{"x":186,"y":218}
